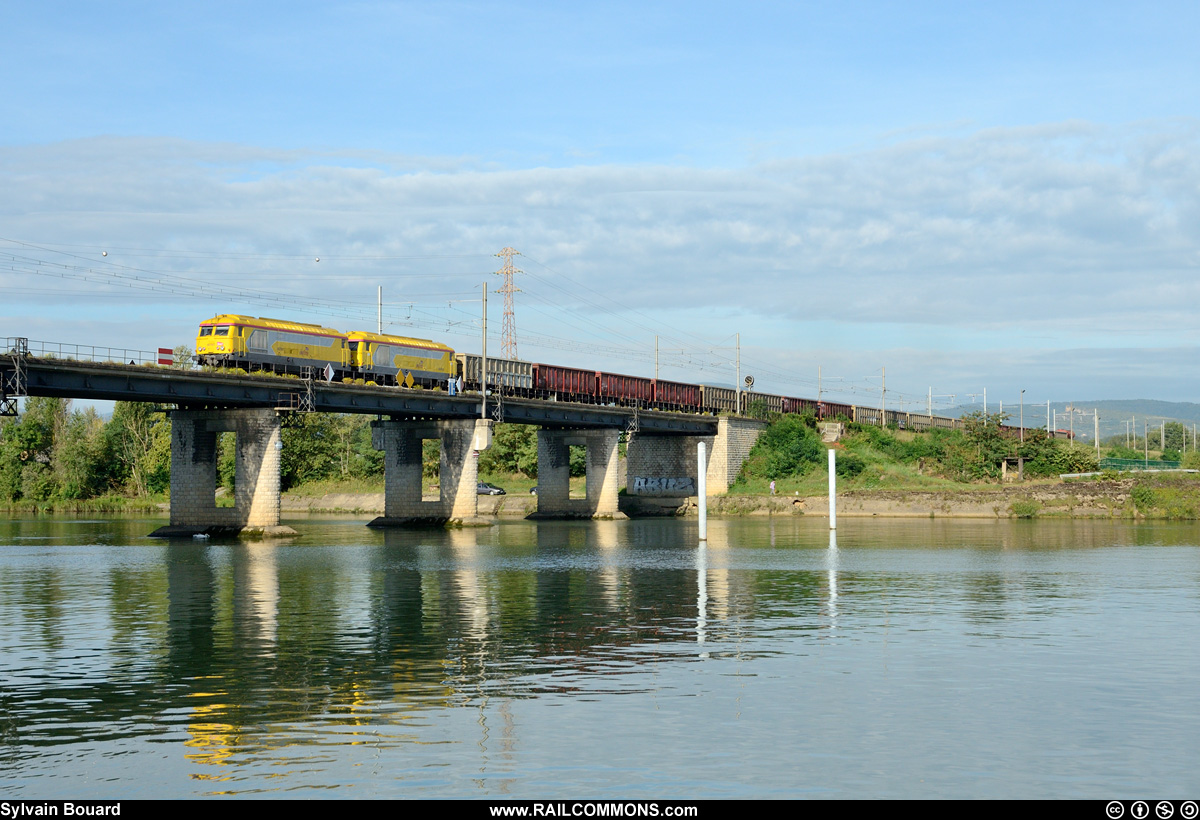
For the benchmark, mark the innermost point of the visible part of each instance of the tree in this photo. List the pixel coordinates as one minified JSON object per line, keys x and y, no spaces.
{"x":310,"y":449}
{"x":139,"y":435}
{"x":28,"y":448}
{"x":987,"y":441}
{"x":431,"y":457}
{"x":1176,"y":436}
{"x":52,"y":452}
{"x":513,"y":450}
{"x":79,"y":461}
{"x":1045,"y":456}
{"x":182,"y":357}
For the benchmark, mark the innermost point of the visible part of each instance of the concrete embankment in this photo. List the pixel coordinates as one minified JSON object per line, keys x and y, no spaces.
{"x":505,"y":506}
{"x":1107,"y":499}
{"x":1098,"y":499}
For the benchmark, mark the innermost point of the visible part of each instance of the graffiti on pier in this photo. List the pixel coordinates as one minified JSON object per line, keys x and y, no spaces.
{"x":646,"y":485}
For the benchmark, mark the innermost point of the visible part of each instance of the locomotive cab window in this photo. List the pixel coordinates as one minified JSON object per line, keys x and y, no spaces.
{"x":354,"y":346}
{"x":206,"y":331}
{"x":223,"y":331}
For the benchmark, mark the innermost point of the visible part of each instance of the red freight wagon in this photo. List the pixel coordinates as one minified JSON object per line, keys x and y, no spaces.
{"x":625,"y":389}
{"x":676,"y":395}
{"x":565,"y":382}
{"x":833,"y":410}
{"x":799,"y":406}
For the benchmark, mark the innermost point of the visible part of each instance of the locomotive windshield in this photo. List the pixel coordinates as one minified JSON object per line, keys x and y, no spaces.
{"x":223,"y":330}
{"x":206,"y":331}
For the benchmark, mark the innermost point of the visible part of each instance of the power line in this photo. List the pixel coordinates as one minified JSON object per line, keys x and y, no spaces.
{"x":695,"y":353}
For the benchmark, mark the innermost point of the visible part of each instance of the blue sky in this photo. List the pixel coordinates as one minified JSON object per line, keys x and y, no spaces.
{"x":970,"y":196}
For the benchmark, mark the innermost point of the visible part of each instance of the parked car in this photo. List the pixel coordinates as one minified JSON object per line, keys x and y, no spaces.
{"x":483,"y":488}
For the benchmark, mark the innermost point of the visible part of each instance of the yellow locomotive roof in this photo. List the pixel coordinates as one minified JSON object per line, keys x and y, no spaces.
{"x":273,"y":324}
{"x":383,"y":338}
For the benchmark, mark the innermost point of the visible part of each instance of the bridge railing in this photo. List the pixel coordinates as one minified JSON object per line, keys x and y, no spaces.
{"x":85,"y":353}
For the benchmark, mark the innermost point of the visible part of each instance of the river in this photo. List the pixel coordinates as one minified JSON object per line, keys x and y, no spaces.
{"x":913,"y":659}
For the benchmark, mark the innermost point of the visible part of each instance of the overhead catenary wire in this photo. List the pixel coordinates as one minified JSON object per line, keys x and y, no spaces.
{"x":686,"y":351}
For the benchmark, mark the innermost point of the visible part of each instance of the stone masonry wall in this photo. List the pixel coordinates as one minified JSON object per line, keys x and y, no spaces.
{"x":194,"y":468}
{"x":554,"y":473}
{"x":666,"y":465}
{"x":400,"y":442}
{"x":735,"y":438}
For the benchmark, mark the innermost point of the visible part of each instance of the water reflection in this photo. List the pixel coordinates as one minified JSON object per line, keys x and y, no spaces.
{"x":241,"y":653}
{"x":832,"y":560}
{"x":702,"y":596}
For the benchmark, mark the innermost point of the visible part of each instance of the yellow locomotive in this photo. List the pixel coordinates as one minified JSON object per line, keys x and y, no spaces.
{"x":399,"y":360}
{"x":279,"y":346}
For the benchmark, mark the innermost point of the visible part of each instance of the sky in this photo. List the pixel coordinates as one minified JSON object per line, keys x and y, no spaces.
{"x":935,"y":199}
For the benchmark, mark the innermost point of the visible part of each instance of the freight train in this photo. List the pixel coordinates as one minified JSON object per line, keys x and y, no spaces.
{"x":278,"y":346}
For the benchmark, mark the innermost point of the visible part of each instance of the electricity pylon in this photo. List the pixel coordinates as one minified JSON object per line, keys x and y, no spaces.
{"x":508,"y":333}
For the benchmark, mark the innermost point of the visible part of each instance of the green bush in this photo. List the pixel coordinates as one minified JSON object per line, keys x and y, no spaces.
{"x":1173,"y":496}
{"x":789,"y":447}
{"x":1143,"y":497}
{"x":921,"y":446}
{"x":1045,"y":456}
{"x":1025,"y":508}
{"x":849,"y":465}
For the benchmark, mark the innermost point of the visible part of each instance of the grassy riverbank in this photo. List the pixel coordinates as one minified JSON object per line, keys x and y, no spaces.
{"x":1169,"y":496}
{"x":105,"y":504}
{"x":53,"y":459}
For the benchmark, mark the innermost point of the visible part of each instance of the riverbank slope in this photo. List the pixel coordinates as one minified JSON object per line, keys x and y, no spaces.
{"x":1162,"y":495}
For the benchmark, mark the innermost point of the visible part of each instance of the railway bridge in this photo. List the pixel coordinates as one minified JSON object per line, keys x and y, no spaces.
{"x":660,"y":454}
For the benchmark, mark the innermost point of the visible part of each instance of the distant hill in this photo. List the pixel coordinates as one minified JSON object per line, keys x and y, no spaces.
{"x":1115,"y":414}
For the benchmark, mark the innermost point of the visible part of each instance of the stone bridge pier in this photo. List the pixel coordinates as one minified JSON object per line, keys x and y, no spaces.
{"x":401,"y":443}
{"x":194,"y":510}
{"x":554,"y":474}
{"x":662,"y":469}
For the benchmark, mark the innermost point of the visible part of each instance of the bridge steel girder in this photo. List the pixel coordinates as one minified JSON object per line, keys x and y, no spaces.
{"x":200,"y":390}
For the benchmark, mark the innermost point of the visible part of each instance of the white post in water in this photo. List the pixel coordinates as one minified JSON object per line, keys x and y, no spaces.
{"x":483,"y":363}
{"x":702,"y":490}
{"x":832,"y":489}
